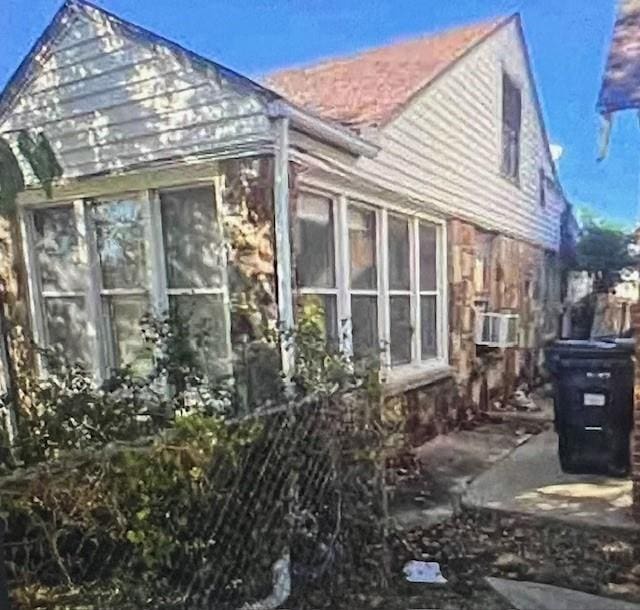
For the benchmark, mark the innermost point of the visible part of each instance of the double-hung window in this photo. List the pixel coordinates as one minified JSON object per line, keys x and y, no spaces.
{"x":415,"y":291}
{"x":195,"y":272}
{"x":363,"y":280}
{"x":60,"y":280}
{"x":315,"y":246}
{"x":120,"y":234}
{"x":99,"y":266}
{"x":429,"y":291}
{"x":401,"y":322}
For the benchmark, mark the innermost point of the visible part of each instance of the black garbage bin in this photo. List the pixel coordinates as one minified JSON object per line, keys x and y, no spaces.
{"x":593,"y":403}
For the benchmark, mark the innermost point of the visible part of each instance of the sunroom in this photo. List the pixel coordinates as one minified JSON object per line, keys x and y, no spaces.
{"x":187,"y":188}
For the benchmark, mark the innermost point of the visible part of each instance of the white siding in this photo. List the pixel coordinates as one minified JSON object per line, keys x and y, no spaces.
{"x":108,"y":101}
{"x":445,"y":148}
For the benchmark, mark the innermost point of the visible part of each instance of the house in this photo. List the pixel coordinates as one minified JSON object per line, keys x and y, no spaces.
{"x":620,"y":91}
{"x":409,"y":189}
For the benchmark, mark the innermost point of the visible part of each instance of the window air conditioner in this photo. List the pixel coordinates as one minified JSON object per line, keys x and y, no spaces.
{"x":496,"y":329}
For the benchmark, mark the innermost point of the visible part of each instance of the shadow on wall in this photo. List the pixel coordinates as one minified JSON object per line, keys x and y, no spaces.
{"x":107,"y":99}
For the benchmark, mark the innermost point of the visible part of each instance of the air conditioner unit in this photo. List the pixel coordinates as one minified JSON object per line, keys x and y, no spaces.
{"x":496,"y":329}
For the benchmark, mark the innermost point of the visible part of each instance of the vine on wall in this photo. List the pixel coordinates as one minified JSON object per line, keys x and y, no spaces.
{"x":40,"y":157}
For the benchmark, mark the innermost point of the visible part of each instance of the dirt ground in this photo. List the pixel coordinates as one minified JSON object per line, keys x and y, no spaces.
{"x":476,"y":544}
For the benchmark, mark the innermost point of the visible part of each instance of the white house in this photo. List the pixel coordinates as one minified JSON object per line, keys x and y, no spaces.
{"x":410,"y":189}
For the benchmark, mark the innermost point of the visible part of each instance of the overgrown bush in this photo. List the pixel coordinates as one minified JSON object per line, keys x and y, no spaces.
{"x":145,"y":493}
{"x":68,"y":410}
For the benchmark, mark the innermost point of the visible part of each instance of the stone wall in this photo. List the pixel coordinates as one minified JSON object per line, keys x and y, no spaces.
{"x":498,"y":274}
{"x":248,"y":223}
{"x":13,"y":275}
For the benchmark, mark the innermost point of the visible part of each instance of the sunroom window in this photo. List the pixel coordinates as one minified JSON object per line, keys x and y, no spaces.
{"x":429,"y":286}
{"x":379,"y":270}
{"x":315,"y":259}
{"x":61,"y":277}
{"x":363,"y":281}
{"x":401,"y":327}
{"x":194,"y":261}
{"x":122,"y":250}
{"x":100,"y":266}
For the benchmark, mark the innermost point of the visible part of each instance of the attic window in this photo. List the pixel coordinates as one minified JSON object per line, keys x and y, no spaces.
{"x":511,"y":123}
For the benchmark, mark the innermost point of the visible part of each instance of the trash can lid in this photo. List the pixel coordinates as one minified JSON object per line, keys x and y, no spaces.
{"x":596,"y":348}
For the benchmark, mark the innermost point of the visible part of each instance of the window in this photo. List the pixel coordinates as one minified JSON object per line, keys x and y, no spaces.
{"x":380,"y":271}
{"x":124,"y":284}
{"x":542,"y":180}
{"x":511,"y":123}
{"x":363,"y":281}
{"x":194,"y":262}
{"x":100,"y":266}
{"x":428,"y":246}
{"x":401,"y":330}
{"x":315,"y":259}
{"x":61,"y":277}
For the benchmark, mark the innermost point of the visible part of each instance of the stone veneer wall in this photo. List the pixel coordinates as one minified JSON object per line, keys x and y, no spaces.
{"x":248,"y":219}
{"x":515,"y":283}
{"x":13,"y":274}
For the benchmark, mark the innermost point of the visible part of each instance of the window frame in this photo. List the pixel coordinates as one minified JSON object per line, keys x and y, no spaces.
{"x":342,"y":200}
{"x":410,"y":292}
{"x":345,"y":251}
{"x":97,"y":292}
{"x":302,"y":291}
{"x":101,"y":347}
{"x":511,"y":174}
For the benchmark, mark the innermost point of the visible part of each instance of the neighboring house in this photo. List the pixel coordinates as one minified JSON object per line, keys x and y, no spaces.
{"x":621,"y":91}
{"x":408,"y":189}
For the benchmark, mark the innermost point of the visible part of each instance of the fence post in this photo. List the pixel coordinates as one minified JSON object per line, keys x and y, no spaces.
{"x":4,"y":587}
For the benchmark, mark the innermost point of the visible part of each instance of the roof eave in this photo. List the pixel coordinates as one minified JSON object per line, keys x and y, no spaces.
{"x":24,"y":70}
{"x":328,"y":132}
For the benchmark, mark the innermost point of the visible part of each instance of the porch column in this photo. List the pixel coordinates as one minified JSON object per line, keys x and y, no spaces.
{"x":283,"y":240}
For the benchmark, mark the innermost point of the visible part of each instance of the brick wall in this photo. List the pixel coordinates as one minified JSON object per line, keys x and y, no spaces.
{"x":635,"y":439}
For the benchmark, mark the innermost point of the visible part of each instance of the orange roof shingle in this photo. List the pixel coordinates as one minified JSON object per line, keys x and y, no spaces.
{"x":370,"y":88}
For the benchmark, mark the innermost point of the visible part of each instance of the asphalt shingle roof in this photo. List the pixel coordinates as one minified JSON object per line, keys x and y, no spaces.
{"x":371,"y":87}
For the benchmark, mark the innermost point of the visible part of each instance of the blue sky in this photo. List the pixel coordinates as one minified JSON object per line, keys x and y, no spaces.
{"x":567,"y":40}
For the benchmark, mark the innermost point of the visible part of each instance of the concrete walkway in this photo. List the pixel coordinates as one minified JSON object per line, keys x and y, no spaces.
{"x":449,"y":463}
{"x":533,"y":596}
{"x":529,"y":480}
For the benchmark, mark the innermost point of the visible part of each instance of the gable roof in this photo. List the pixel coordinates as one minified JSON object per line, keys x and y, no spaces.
{"x":31,"y":65}
{"x":621,"y":81}
{"x":370,"y":88}
{"x":37,"y":56}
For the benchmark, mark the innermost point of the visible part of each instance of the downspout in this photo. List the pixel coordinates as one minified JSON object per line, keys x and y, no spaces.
{"x":283,"y":243}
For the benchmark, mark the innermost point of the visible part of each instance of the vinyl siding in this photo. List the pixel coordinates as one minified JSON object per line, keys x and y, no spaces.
{"x":445,"y":147}
{"x":109,"y":101}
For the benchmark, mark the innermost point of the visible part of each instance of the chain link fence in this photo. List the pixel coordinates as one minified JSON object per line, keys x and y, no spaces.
{"x":285,"y":508}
